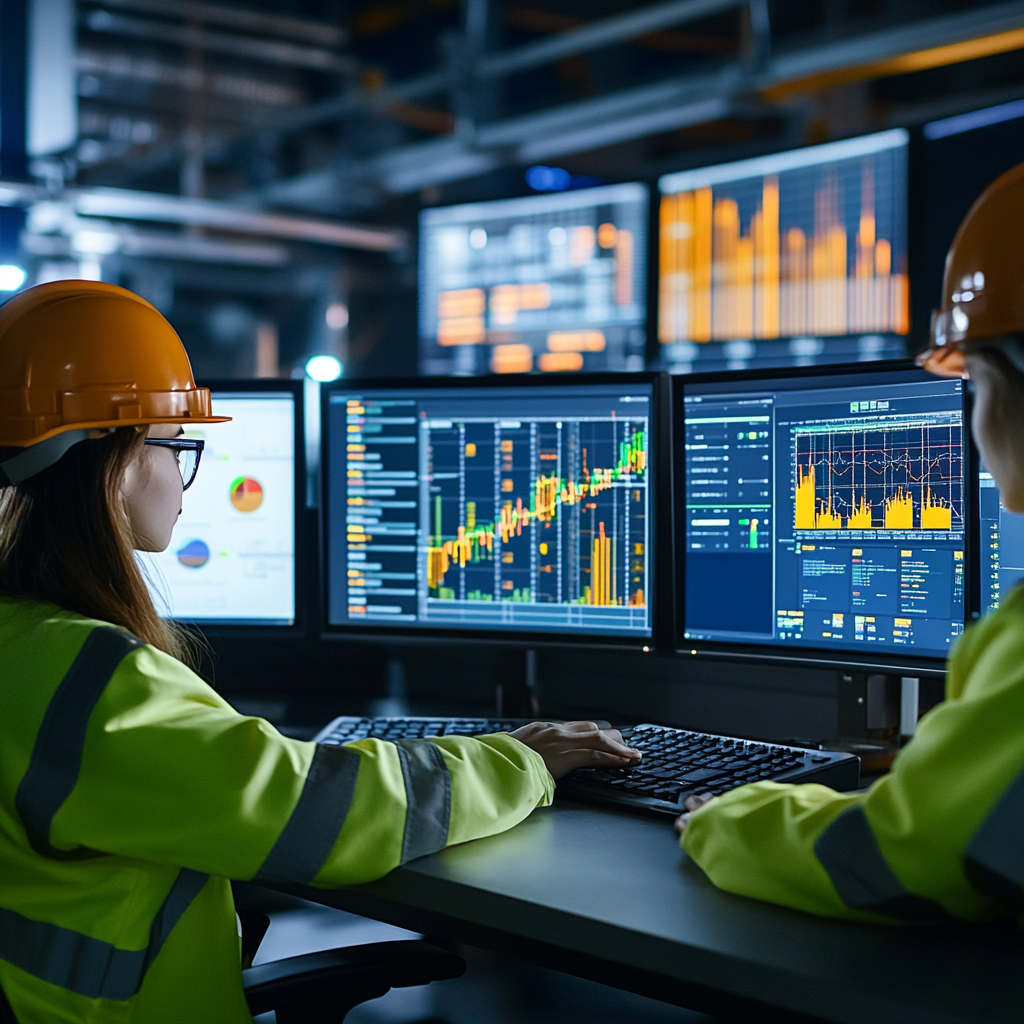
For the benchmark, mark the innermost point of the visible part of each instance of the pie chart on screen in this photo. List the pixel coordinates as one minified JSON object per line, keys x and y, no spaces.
{"x":246,"y":494}
{"x":194,"y":555}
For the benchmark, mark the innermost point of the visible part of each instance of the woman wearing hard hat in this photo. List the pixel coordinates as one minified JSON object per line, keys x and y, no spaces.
{"x":942,"y":835}
{"x":129,"y":790}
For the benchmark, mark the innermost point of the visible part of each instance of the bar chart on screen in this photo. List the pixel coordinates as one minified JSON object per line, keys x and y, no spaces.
{"x":895,"y":473}
{"x":806,"y":245}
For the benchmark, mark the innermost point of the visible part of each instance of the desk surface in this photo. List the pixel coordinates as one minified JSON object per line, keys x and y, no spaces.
{"x":611,"y":896}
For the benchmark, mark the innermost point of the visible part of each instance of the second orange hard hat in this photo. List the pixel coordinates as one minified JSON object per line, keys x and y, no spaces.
{"x":77,"y":355}
{"x":983,"y":286}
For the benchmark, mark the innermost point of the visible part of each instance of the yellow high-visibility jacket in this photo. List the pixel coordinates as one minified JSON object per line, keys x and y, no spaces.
{"x":940,"y":836}
{"x":130,"y":792}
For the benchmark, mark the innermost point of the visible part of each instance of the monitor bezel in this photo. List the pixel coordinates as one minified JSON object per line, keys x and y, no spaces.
{"x":660,"y":489}
{"x":804,"y":656}
{"x":299,"y":627}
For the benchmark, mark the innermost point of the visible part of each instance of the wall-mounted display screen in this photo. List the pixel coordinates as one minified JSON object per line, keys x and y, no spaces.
{"x":826,"y":512}
{"x":231,"y":559}
{"x":790,"y":259}
{"x":547,"y":282}
{"x":522,"y":509}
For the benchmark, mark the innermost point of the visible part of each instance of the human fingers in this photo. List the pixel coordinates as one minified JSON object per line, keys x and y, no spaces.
{"x":682,"y":822}
{"x":696,"y":802}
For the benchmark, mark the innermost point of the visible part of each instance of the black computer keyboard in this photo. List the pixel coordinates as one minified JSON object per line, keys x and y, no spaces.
{"x":676,"y":764}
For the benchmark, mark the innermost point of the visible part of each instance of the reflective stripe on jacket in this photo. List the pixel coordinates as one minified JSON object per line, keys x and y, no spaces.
{"x":941,"y":835}
{"x":130,"y":792}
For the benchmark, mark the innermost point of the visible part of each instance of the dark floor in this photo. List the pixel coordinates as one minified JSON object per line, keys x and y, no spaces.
{"x":494,"y":990}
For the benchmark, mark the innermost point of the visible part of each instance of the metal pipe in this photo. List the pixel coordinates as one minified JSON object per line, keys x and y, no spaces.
{"x":266,"y":50}
{"x":602,"y":33}
{"x":323,"y":33}
{"x":124,"y":204}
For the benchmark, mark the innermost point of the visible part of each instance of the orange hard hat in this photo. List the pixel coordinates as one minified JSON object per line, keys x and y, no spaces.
{"x":76,"y":355}
{"x":983,"y":286}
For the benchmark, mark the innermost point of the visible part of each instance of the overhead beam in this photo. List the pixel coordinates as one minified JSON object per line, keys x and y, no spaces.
{"x":634,"y":113}
{"x":321,"y":33}
{"x":158,"y":207}
{"x":513,"y":61}
{"x":270,"y":51}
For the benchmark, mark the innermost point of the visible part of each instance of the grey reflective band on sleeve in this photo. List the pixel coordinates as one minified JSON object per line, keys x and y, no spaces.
{"x":306,"y":841}
{"x":849,"y":853}
{"x":86,"y":966}
{"x":37,"y":457}
{"x":994,"y":860}
{"x":428,"y":796}
{"x":56,"y":758}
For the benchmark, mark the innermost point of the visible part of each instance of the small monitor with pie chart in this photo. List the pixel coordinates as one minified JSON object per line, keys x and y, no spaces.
{"x":231,"y":560}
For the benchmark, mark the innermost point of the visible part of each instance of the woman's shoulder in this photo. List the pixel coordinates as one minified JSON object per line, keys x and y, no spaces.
{"x":991,"y":653}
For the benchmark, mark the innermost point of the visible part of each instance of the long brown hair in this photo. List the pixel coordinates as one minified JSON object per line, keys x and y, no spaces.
{"x":65,"y":538}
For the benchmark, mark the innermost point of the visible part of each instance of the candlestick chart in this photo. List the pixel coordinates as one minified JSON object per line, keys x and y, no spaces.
{"x":551,"y":513}
{"x":897,"y":474}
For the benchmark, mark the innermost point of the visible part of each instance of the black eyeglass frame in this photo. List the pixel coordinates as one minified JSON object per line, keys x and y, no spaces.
{"x":182,"y":444}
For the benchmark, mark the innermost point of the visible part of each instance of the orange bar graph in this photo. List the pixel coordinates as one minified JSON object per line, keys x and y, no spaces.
{"x":721,"y":280}
{"x":899,"y":511}
{"x":935,"y":516}
{"x":601,"y":570}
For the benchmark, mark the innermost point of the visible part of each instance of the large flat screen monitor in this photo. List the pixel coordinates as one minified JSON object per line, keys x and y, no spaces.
{"x":822,"y":512}
{"x":548,"y":282}
{"x":792,"y":259}
{"x":1000,"y":545}
{"x":231,"y":560}
{"x":505,"y":510}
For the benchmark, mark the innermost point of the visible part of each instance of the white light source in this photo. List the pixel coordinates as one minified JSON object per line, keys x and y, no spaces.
{"x":337,"y":316}
{"x":478,"y":238}
{"x":324,"y":368}
{"x":95,"y":243}
{"x":11,"y":277}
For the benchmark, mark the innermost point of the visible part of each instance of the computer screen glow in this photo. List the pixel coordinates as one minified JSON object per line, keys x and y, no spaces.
{"x":231,"y":559}
{"x":502,"y":509}
{"x":826,"y":512}
{"x":790,"y":259}
{"x":548,"y":282}
{"x":1001,"y":536}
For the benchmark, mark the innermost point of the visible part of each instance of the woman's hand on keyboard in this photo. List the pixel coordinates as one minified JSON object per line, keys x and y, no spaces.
{"x":577,"y":745}
{"x":692,"y":803}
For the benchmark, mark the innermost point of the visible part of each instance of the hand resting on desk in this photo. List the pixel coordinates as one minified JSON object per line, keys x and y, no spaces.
{"x":576,"y":745}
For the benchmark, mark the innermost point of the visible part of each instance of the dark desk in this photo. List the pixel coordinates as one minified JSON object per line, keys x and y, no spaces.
{"x":611,"y":897}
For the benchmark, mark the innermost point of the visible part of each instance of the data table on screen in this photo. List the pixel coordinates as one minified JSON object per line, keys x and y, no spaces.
{"x":509,"y":510}
{"x":790,"y":259}
{"x":231,"y":559}
{"x":826,"y":512}
{"x":547,"y":282}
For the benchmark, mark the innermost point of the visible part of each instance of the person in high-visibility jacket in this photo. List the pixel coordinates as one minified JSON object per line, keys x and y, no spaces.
{"x":942,"y":835}
{"x":130,"y":792}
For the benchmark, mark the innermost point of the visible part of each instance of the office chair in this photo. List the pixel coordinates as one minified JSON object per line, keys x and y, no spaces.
{"x":320,"y":988}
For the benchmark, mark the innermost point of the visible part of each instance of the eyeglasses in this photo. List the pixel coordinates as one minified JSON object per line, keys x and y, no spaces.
{"x":187,"y":451}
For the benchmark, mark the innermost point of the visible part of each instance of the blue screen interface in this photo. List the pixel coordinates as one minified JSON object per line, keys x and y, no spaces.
{"x":513,"y":509}
{"x":825,"y":511}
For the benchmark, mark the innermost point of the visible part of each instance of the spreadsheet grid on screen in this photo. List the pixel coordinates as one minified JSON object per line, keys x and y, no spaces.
{"x":499,"y":509}
{"x":231,"y":559}
{"x":547,"y":282}
{"x":826,"y":512}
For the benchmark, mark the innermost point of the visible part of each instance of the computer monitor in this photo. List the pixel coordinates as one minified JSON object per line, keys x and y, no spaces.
{"x":792,"y":259}
{"x":231,"y":560}
{"x":957,"y":159}
{"x":492,"y":509}
{"x":553,"y":282}
{"x":822,"y":515}
{"x":1000,"y":545}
